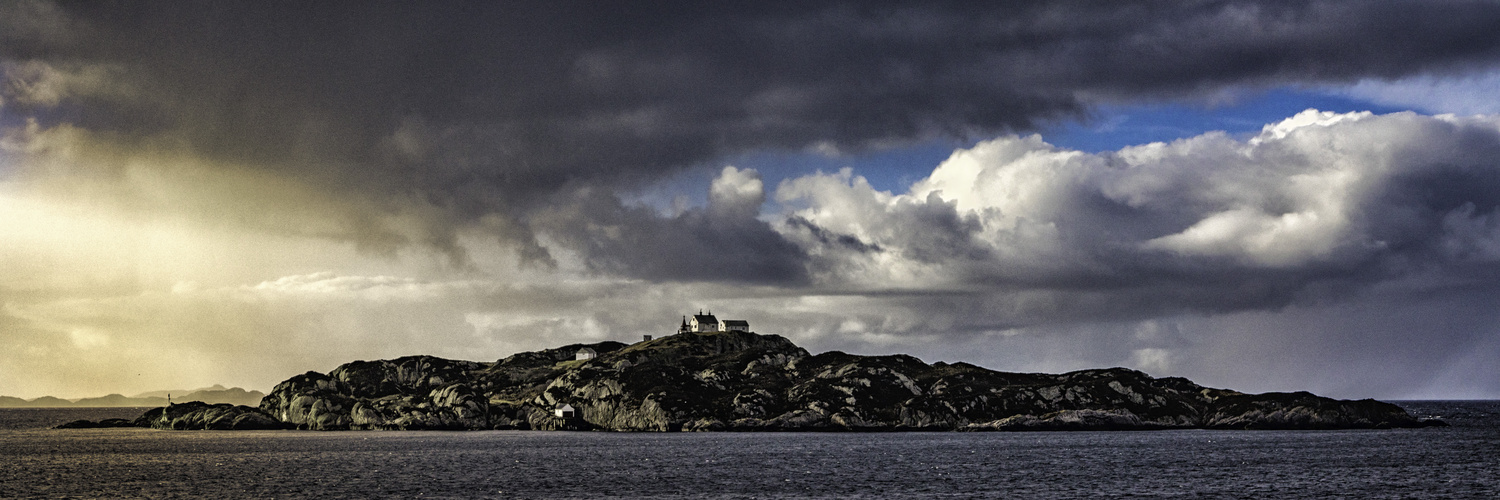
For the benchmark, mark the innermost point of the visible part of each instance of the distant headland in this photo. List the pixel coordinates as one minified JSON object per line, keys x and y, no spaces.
{"x":714,"y":375}
{"x":213,"y":394}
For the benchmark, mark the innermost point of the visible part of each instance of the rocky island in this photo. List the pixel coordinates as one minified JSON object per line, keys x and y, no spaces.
{"x":743,"y":381}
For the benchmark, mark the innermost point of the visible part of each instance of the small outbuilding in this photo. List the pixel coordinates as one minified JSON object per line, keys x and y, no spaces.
{"x":585,"y":353}
{"x":734,"y":325}
{"x":565,"y":411}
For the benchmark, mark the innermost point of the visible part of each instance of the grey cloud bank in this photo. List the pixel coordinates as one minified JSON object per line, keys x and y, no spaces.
{"x":287,"y":186}
{"x":488,"y":108}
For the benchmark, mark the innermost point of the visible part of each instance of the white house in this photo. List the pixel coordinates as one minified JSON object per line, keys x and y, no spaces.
{"x":585,"y":353}
{"x":703,"y":322}
{"x":708,"y":323}
{"x":565,"y":411}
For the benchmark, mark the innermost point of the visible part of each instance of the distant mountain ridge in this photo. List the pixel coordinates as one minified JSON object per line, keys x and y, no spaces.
{"x":180,"y":392}
{"x":213,"y":394}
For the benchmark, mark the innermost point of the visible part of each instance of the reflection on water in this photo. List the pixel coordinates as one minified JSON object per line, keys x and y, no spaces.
{"x":1455,"y":462}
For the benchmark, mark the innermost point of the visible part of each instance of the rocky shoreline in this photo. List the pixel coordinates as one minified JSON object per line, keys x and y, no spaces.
{"x":741,"y":381}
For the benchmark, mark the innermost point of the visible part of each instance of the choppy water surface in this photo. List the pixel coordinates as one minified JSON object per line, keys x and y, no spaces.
{"x":40,"y":418}
{"x":1455,"y":462}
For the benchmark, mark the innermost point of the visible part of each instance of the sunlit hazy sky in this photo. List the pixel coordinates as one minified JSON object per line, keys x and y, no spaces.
{"x":1263,"y":196}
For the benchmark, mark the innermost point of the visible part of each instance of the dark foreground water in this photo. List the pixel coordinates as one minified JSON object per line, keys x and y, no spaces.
{"x":1462,"y":461}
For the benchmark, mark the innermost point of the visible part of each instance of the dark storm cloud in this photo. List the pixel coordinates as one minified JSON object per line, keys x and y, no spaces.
{"x":723,"y":242}
{"x":493,"y":108}
{"x":693,"y":246}
{"x":828,"y":238}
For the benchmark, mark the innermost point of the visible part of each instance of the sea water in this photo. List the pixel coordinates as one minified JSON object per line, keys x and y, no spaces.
{"x":1462,"y":461}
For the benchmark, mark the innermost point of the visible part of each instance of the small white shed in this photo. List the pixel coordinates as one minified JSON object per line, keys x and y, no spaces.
{"x":585,"y":353}
{"x":565,"y":411}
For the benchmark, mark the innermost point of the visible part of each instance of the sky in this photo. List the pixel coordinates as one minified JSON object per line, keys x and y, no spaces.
{"x":1261,"y":196}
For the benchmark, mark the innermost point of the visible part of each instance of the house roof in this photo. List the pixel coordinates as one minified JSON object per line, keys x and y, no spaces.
{"x":705,"y":318}
{"x":587,"y":350}
{"x":735,"y":322}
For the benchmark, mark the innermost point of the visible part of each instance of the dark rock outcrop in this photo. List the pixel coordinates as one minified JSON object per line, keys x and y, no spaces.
{"x":102,"y":424}
{"x":415,"y":392}
{"x":1302,"y":410}
{"x":204,"y":416}
{"x":739,"y":381}
{"x":196,"y":415}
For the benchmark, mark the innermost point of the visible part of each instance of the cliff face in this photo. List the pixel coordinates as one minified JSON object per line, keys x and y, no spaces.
{"x":415,"y":392}
{"x":745,"y":381}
